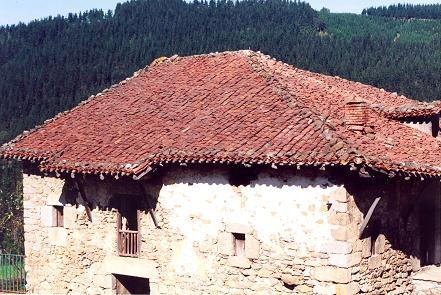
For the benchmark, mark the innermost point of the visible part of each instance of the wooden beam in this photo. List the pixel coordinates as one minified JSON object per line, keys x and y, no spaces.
{"x":88,"y":204}
{"x":369,"y":215}
{"x":138,"y":236}
{"x":149,"y":204}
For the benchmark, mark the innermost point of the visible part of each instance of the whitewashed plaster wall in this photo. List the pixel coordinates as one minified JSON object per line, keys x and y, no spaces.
{"x":425,"y":127}
{"x":202,"y":205}
{"x":297,"y":235}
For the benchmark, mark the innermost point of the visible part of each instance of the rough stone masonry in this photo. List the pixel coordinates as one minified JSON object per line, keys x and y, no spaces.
{"x":300,"y":229}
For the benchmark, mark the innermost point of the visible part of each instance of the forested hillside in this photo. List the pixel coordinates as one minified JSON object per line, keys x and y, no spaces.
{"x":50,"y":65}
{"x":423,"y":11}
{"x":55,"y":63}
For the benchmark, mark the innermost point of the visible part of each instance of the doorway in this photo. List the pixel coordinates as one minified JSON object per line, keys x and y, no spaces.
{"x":126,"y":285}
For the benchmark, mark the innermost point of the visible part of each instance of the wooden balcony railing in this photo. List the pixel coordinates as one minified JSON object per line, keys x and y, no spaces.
{"x":128,"y":243}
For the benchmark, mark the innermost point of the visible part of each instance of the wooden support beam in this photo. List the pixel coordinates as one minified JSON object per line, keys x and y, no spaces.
{"x":369,"y":215}
{"x":149,"y":204}
{"x":88,"y":204}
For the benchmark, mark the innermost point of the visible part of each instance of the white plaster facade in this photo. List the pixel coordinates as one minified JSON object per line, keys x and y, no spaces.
{"x":301,"y":236}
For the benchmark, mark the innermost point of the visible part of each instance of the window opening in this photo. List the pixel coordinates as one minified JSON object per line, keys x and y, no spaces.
{"x":128,"y":217}
{"x":240,"y":175}
{"x":58,"y":216}
{"x":239,"y":244}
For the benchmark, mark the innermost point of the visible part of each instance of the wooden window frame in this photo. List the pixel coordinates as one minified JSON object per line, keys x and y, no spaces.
{"x":58,"y":216}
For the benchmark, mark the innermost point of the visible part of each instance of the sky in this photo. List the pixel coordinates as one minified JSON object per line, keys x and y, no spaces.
{"x":14,"y":11}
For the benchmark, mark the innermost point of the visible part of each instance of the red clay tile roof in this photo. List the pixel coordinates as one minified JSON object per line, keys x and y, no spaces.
{"x":232,"y":107}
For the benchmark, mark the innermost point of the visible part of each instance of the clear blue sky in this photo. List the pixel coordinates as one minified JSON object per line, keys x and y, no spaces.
{"x":14,"y":11}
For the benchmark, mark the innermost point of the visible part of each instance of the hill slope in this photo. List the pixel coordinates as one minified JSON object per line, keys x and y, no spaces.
{"x":407,"y":11}
{"x":50,"y":65}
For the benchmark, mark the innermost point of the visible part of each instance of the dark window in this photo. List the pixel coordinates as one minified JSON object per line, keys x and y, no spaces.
{"x":128,"y":214}
{"x":289,"y":286}
{"x":58,"y":216}
{"x":240,"y":175}
{"x":239,"y":244}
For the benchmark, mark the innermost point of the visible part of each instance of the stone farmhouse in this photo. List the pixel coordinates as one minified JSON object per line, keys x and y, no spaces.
{"x":233,"y":173}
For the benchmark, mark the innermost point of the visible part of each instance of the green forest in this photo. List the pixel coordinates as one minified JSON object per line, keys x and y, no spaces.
{"x":427,"y":11}
{"x":50,"y":65}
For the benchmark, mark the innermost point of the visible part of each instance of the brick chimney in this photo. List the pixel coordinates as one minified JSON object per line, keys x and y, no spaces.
{"x":357,"y":116}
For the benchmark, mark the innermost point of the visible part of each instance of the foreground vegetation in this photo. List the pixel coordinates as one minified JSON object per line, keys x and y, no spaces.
{"x":50,"y":65}
{"x":11,"y":209}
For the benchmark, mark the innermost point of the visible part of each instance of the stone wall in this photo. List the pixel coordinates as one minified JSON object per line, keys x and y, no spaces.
{"x":290,"y":244}
{"x":391,"y":244}
{"x":67,"y":259}
{"x":300,"y":230}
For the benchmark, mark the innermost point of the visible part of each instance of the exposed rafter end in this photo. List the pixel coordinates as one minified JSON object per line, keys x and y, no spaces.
{"x":144,"y":173}
{"x":368,"y":216}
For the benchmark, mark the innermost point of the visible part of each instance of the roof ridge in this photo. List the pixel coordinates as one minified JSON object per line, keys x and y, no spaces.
{"x":176,"y":57}
{"x":288,"y":96}
{"x":410,"y":100}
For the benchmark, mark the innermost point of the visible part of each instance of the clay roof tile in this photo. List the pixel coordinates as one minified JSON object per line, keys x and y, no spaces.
{"x":241,"y":107}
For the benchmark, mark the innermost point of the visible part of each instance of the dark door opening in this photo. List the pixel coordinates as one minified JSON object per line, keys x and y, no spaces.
{"x":128,"y":218}
{"x":127,"y":211}
{"x":430,"y":223}
{"x":126,"y":285}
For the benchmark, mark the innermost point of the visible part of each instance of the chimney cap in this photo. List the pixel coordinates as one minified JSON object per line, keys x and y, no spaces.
{"x":353,"y":99}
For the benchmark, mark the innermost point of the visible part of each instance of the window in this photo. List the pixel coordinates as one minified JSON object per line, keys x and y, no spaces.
{"x":239,"y":244}
{"x":58,"y":216}
{"x":240,"y":175}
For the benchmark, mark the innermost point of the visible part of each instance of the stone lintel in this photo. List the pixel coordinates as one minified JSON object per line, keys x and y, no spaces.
{"x":135,"y":267}
{"x":238,"y":228}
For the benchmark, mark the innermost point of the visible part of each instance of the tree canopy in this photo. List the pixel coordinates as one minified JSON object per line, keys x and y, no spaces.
{"x":423,"y":11}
